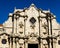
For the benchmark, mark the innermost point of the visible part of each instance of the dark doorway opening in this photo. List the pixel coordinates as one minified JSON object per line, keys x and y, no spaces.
{"x":32,"y":45}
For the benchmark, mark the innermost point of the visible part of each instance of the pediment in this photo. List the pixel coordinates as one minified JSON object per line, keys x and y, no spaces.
{"x":32,"y":11}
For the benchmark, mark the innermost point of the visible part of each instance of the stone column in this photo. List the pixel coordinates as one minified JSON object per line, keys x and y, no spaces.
{"x":49,"y":28}
{"x":50,"y":43}
{"x":39,"y":40}
{"x":13,"y":42}
{"x":25,"y":25}
{"x":26,"y":44}
{"x":10,"y":42}
{"x":54,"y":43}
{"x":0,"y":40}
{"x":17,"y":43}
{"x":41,"y":44}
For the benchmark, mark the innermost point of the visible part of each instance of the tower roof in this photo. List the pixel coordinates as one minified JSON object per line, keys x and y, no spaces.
{"x":32,"y":4}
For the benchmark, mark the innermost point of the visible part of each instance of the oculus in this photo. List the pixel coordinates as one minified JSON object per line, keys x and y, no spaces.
{"x":4,"y":41}
{"x":32,"y":20}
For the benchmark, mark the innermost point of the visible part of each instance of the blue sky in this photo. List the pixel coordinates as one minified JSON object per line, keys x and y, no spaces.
{"x":7,"y":6}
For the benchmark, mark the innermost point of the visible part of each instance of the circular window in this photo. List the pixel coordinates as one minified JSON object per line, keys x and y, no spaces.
{"x":4,"y":41}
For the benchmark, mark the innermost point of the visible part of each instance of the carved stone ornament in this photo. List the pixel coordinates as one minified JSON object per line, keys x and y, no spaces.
{"x":33,"y":35}
{"x":32,"y":26}
{"x":44,"y":25}
{"x":21,"y":25}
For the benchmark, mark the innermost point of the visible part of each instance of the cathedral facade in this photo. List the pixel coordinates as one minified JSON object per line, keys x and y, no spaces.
{"x":30,"y":28}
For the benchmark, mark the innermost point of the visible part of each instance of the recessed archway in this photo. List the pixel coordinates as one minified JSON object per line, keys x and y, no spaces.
{"x":32,"y":45}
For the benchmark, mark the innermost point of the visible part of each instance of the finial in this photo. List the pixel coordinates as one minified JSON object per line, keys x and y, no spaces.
{"x":32,"y":4}
{"x":14,"y":8}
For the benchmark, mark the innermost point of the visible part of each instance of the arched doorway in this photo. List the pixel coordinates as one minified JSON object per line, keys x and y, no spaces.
{"x":32,"y":45}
